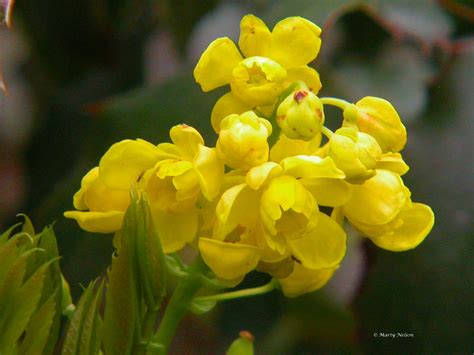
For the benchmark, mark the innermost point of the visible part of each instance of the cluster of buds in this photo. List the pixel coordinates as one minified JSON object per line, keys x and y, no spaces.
{"x":253,"y":202}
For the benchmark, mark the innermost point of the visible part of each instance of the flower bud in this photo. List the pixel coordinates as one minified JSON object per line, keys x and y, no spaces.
{"x":242,"y":141}
{"x":378,"y":118}
{"x":301,"y":115}
{"x":355,"y":153}
{"x":258,"y":81}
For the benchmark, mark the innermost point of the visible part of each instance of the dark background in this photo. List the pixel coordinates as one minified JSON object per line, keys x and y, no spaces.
{"x":84,"y":74}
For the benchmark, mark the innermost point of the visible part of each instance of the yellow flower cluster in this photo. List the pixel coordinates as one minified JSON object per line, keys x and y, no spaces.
{"x":264,"y":212}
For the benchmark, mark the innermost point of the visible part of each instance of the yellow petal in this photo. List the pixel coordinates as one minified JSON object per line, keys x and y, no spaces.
{"x":215,"y":66}
{"x":378,"y":200}
{"x":328,"y":192}
{"x":97,"y":222}
{"x":228,"y":260}
{"x":379,"y":118}
{"x":303,"y":280}
{"x":408,"y":229}
{"x":237,"y":206}
{"x":172,"y":168}
{"x":175,"y":229}
{"x":259,"y":175}
{"x":187,"y":139}
{"x":306,"y":74}
{"x":210,"y":171}
{"x":322,"y":247}
{"x":86,"y":182}
{"x":393,"y":162}
{"x":258,"y":81}
{"x":255,"y":37}
{"x":126,"y":161}
{"x":286,"y":147}
{"x":311,"y":166}
{"x":186,"y":185}
{"x":295,"y":42}
{"x":225,"y":106}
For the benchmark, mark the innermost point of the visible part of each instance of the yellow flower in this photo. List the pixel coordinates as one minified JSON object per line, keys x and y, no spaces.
{"x":382,"y":210}
{"x":271,"y":61}
{"x":242,"y":141}
{"x":378,"y":118}
{"x":300,"y":115}
{"x":176,"y":185}
{"x":104,"y":194}
{"x":303,"y":280}
{"x":271,"y":217}
{"x":100,"y":208}
{"x":355,"y":153}
{"x":286,"y":147}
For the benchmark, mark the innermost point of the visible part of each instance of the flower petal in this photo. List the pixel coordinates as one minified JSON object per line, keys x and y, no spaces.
{"x":259,"y":175}
{"x":255,"y":37}
{"x":322,"y":247}
{"x":306,"y":74}
{"x":328,"y":192}
{"x":215,"y":66}
{"x":295,"y":42}
{"x":210,"y":171}
{"x":175,"y":229}
{"x":229,"y":260}
{"x":187,"y":139}
{"x":97,"y":222}
{"x":393,"y":162}
{"x":225,"y":106}
{"x":126,"y":161}
{"x":378,"y":200}
{"x":303,"y":280}
{"x":408,"y":229}
{"x":237,"y":206}
{"x":311,"y":166}
{"x":286,"y":147}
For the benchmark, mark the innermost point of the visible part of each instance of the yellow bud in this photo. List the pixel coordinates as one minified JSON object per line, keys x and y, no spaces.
{"x":258,"y":81}
{"x":301,"y":115}
{"x":242,"y":141}
{"x":355,"y":153}
{"x":378,"y":118}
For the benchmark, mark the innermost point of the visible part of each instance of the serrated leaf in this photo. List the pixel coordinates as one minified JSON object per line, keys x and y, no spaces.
{"x":72,"y":340}
{"x":39,"y":327}
{"x":20,"y":304}
{"x":90,"y":337}
{"x":27,"y":226}
{"x":201,"y":307}
{"x":122,"y":310}
{"x":148,"y":252}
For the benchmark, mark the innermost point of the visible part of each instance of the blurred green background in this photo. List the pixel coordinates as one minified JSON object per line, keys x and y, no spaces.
{"x":84,"y":74}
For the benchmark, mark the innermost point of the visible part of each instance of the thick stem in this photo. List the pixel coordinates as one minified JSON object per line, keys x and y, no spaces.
{"x":178,"y":305}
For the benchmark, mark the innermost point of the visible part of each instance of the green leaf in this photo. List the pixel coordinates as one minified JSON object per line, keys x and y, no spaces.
{"x":39,"y":327}
{"x":83,"y":333}
{"x":27,"y":225}
{"x":19,"y":303}
{"x":5,"y":235}
{"x":148,"y":252}
{"x":121,"y":327}
{"x":241,"y":346}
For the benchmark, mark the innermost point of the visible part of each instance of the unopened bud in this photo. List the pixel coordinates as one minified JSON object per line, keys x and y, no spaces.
{"x":301,"y":115}
{"x":242,"y":141}
{"x":355,"y":153}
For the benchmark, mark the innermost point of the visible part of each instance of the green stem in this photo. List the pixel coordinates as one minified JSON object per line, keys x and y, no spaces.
{"x":249,"y":292}
{"x":335,"y":102}
{"x":179,"y":303}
